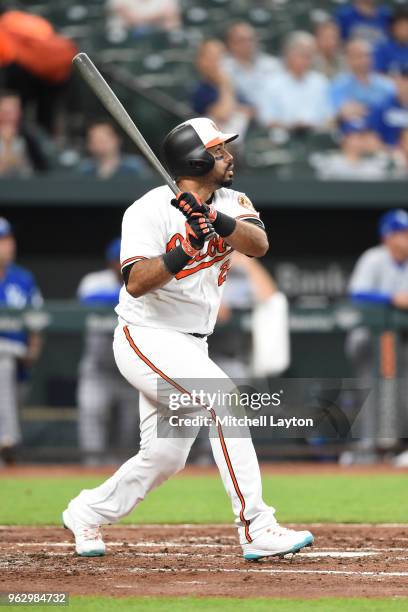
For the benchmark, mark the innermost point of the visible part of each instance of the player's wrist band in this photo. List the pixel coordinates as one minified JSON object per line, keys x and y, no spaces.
{"x":177,"y":258}
{"x":224,"y":225}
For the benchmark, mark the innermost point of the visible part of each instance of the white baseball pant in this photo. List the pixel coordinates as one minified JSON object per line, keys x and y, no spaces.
{"x":10,"y":432}
{"x":143,"y":354}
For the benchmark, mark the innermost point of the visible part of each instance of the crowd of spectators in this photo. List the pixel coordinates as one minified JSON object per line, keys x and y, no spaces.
{"x":347,"y":79}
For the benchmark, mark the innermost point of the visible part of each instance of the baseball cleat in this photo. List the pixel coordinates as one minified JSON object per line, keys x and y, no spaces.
{"x":88,"y":538}
{"x":276,"y":541}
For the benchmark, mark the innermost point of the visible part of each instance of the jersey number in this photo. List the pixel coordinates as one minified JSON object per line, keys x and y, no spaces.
{"x":222,"y":277}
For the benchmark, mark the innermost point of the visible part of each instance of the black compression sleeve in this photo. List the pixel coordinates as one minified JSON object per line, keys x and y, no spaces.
{"x":224,"y":225}
{"x":176,"y":259}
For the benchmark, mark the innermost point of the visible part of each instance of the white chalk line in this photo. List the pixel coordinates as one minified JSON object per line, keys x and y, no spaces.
{"x":273,"y":571}
{"x":180,"y":544}
{"x":311,"y":555}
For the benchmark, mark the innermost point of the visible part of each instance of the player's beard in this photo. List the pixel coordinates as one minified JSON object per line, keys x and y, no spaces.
{"x":227,"y":182}
{"x":224,"y":182}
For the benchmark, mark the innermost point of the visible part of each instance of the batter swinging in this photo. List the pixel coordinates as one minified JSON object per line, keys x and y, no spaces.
{"x":175,"y":257}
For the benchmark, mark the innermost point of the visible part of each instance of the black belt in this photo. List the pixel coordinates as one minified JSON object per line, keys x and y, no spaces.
{"x":198,"y":335}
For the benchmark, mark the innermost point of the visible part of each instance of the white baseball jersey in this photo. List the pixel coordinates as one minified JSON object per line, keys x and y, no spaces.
{"x":190,"y":301}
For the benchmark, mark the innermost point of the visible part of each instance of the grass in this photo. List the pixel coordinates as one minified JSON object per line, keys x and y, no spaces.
{"x":305,"y":498}
{"x":191,"y":604}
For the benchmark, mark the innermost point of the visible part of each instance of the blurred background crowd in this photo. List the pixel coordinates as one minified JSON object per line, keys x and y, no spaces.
{"x":314,"y":88}
{"x":318,"y":91}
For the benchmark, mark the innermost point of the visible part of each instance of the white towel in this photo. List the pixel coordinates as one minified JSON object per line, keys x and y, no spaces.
{"x":270,"y":333}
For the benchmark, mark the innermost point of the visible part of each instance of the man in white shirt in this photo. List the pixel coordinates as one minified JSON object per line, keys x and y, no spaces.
{"x":297,"y":97}
{"x":175,"y":258}
{"x":248,"y":68}
{"x":143,"y":16}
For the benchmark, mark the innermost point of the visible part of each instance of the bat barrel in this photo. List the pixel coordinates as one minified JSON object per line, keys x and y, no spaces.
{"x":102,"y":90}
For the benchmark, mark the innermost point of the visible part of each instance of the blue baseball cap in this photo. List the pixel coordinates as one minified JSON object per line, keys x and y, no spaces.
{"x":393,"y":221}
{"x":5,"y":228}
{"x":357,"y":126}
{"x":112,"y":252}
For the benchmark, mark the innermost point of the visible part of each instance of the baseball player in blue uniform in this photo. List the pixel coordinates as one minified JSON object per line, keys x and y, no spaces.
{"x":101,"y":388}
{"x":18,"y":290}
{"x":380,"y":276}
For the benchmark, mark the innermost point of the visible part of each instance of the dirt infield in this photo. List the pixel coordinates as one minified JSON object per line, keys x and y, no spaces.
{"x":159,"y":560}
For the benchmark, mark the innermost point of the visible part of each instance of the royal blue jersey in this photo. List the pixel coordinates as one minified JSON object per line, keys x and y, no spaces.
{"x":389,"y":119}
{"x":354,"y":24}
{"x":19,"y":290}
{"x":100,"y":289}
{"x":391,"y":57}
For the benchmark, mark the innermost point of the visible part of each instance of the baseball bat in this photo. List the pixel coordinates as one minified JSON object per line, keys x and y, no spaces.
{"x":109,"y":99}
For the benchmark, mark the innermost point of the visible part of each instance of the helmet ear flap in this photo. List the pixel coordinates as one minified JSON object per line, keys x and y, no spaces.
{"x":184,"y":154}
{"x":204,"y":164}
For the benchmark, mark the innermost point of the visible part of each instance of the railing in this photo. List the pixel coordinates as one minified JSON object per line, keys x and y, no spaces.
{"x":69,"y":316}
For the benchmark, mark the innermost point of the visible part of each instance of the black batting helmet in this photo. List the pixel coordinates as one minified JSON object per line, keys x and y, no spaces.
{"x":185,"y":147}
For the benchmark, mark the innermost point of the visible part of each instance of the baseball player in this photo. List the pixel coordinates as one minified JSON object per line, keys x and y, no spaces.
{"x":175,"y":258}
{"x":18,"y":348}
{"x":101,"y":387}
{"x":380,"y":276}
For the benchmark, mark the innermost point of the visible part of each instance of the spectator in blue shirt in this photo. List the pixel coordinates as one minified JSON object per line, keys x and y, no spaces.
{"x":297,"y":98}
{"x":391,"y":56}
{"x":18,"y":290}
{"x":357,"y":93}
{"x":106,"y":159}
{"x":214,"y":96}
{"x":391,"y":118}
{"x":363,"y":19}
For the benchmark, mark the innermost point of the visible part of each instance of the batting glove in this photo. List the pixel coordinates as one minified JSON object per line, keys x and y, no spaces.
{"x":198,"y":230}
{"x":188,"y":203}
